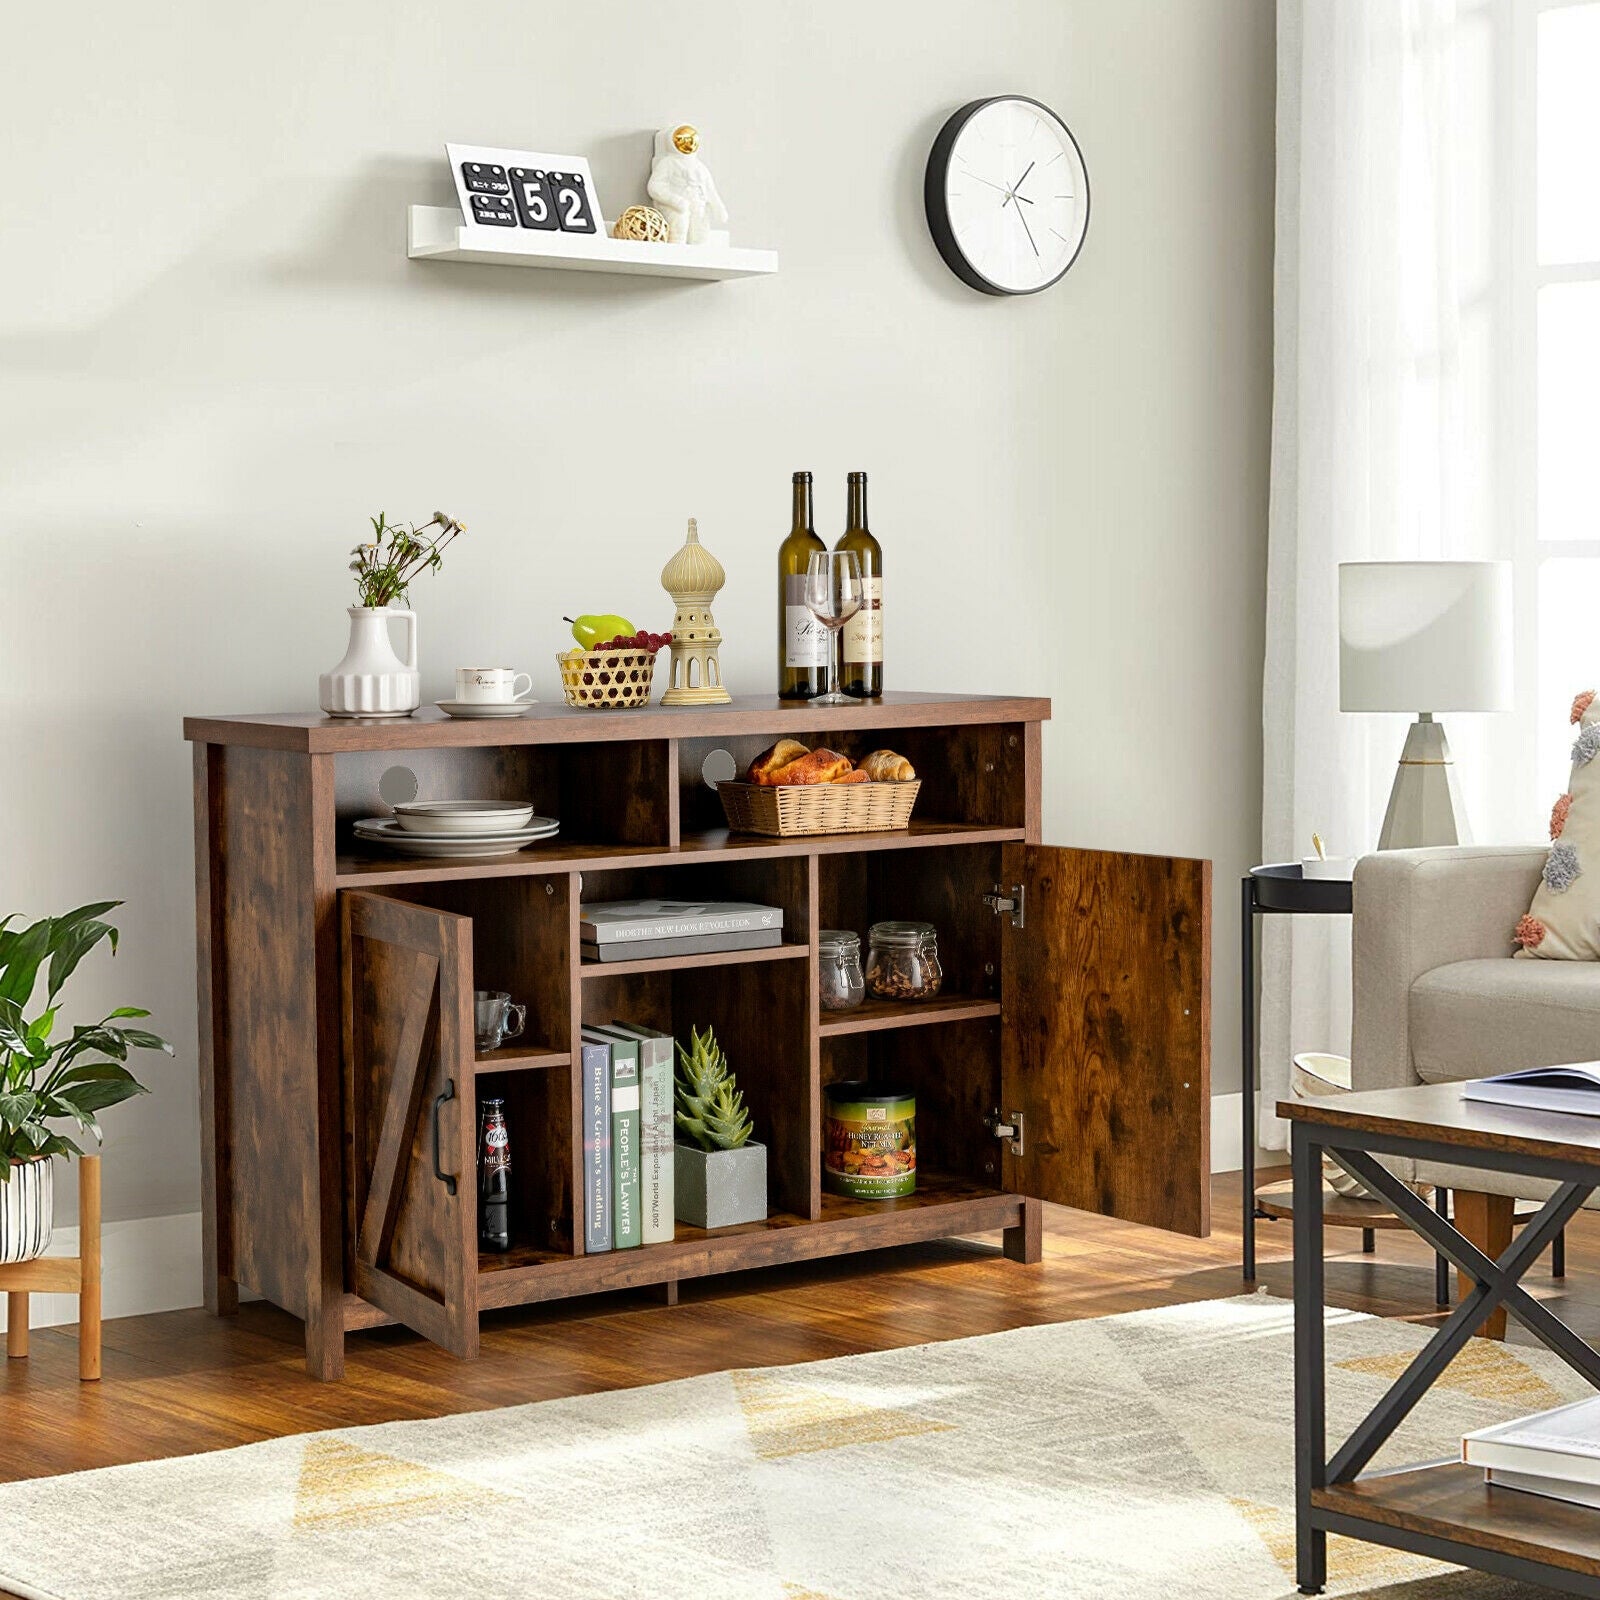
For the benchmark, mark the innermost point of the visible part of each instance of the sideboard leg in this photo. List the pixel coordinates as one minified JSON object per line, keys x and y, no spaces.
{"x":17,"y":1323}
{"x":325,"y":1345}
{"x":1025,"y":1242}
{"x":669,"y":1292}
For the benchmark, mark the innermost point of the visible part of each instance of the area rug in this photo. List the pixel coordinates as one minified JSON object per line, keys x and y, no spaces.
{"x":1141,"y":1456}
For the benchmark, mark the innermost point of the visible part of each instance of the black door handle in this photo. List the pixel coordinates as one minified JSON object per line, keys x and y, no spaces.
{"x":438,"y":1171}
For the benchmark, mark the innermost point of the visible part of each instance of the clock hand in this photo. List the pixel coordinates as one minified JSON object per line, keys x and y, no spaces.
{"x":1018,"y":184}
{"x":1029,"y":231}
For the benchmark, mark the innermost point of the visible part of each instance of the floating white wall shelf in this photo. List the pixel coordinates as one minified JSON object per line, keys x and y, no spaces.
{"x":437,"y":233}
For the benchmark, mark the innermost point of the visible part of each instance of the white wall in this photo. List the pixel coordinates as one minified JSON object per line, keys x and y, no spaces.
{"x":216,"y":361}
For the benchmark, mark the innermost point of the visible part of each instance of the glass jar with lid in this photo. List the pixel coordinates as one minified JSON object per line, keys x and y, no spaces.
{"x":903,"y":961}
{"x":842,"y":985}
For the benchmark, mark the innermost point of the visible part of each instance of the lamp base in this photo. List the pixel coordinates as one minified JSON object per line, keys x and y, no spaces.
{"x":1425,"y":804}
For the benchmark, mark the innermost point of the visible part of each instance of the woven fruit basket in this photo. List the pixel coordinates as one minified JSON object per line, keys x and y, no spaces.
{"x":607,"y":680}
{"x":784,"y":811}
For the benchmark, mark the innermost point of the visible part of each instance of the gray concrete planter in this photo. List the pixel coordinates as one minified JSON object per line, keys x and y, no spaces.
{"x":721,"y":1188}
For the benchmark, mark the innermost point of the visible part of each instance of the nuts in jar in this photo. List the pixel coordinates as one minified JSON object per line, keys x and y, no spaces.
{"x":841,"y":984}
{"x":903,"y":961}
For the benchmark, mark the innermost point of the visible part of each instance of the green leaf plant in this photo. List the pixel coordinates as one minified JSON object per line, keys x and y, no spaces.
{"x":46,"y":1078}
{"x":707,"y":1107}
{"x":385,"y":565}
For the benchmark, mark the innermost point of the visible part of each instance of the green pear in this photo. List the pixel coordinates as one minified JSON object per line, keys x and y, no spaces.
{"x":587,"y":629}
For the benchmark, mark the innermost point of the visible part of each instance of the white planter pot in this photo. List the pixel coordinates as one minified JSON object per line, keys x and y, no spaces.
{"x":27,"y":1211}
{"x":372,"y":681}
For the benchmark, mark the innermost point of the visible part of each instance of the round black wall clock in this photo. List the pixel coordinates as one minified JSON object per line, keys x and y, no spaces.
{"x":1007,"y":195}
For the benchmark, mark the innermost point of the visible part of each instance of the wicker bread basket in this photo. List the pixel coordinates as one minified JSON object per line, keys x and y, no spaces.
{"x":608,"y":680}
{"x":786,"y":810}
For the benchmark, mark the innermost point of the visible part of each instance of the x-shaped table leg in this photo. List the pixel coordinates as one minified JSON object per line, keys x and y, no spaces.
{"x":1497,"y":1283}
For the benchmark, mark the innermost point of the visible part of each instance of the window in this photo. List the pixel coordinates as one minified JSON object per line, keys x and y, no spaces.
{"x":1555,"y":250}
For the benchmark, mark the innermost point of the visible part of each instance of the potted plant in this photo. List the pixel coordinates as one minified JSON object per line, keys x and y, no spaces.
{"x":372,"y":681}
{"x":720,"y":1172}
{"x":45,"y":1077}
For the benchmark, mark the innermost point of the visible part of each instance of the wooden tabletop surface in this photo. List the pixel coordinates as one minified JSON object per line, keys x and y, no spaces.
{"x":554,"y":722}
{"x":1440,"y":1112}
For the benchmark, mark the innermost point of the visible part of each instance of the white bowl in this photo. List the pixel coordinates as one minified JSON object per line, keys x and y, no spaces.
{"x":464,"y":816}
{"x":1340,"y":869}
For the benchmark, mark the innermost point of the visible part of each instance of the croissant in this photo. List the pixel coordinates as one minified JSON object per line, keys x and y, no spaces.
{"x":884,"y":766}
{"x":770,"y":760}
{"x":855,"y":775}
{"x":816,"y":766}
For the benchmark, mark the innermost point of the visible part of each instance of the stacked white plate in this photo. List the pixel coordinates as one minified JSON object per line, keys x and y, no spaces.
{"x":458,"y":829}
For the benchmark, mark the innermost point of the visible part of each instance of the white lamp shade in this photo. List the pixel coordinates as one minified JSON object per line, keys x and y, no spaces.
{"x":1425,"y":636}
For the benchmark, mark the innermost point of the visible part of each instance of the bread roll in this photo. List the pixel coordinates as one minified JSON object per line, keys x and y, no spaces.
{"x":779,"y":755}
{"x":816,"y":766}
{"x":884,"y":766}
{"x":855,"y":775}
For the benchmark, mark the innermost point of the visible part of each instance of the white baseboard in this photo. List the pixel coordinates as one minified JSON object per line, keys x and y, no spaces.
{"x":148,"y":1264}
{"x":1227,"y":1137}
{"x":153,"y":1263}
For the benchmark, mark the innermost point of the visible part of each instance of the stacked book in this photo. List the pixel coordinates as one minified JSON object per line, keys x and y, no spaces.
{"x":1553,"y":1453}
{"x":637,"y":930}
{"x":627,"y":1137}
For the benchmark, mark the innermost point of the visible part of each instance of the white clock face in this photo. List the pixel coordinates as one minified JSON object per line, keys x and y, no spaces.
{"x":1017,"y":195}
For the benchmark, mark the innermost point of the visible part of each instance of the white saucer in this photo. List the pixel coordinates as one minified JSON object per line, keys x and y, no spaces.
{"x":485,"y":708}
{"x":386,"y":831}
{"x":439,"y":817}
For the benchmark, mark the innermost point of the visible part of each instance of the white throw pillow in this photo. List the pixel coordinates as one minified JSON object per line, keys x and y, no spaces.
{"x":1563,"y":923}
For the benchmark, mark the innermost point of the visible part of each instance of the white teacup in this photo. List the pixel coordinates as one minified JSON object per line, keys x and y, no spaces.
{"x":492,"y":685}
{"x":1334,"y":868}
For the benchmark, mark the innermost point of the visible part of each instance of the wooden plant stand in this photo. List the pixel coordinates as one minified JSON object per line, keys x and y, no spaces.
{"x":79,"y":1275}
{"x":1066,"y":1058}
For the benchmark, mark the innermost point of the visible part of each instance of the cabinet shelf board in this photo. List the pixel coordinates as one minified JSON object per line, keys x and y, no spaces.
{"x":714,"y":958}
{"x":437,"y":233}
{"x":359,"y":871}
{"x":520,"y":1058}
{"x":942,"y":1207}
{"x":872,"y":1016}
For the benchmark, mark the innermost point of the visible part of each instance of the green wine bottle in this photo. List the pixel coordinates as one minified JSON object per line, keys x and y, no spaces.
{"x":862,"y":672}
{"x":802,"y":640}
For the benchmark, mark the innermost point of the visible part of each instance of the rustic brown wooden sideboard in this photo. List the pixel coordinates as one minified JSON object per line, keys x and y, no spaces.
{"x":339,"y":1077}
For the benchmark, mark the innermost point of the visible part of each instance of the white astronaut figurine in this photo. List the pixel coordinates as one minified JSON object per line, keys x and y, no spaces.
{"x":681,"y":186}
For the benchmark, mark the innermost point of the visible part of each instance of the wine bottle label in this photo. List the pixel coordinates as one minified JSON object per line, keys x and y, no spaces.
{"x":805,"y":639}
{"x":863,"y":633}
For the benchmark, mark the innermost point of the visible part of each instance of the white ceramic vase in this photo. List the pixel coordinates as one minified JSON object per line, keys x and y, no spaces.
{"x":372,"y":681}
{"x":27,"y":1211}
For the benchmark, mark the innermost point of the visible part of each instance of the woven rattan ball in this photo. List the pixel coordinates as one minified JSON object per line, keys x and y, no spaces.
{"x":644,"y":223}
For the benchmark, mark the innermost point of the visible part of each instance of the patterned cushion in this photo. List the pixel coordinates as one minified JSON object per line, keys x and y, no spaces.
{"x":1563,"y":923}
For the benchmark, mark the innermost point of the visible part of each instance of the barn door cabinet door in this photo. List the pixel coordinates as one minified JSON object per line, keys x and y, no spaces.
{"x":408,"y":1048}
{"x":1105,"y":1067}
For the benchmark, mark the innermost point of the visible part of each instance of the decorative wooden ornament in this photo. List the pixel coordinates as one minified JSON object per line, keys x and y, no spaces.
{"x":693,"y":578}
{"x":643,"y":223}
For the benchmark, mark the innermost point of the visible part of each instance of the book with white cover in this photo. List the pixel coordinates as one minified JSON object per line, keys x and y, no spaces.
{"x":1575,"y":1494}
{"x":628,"y":921}
{"x":1574,"y":1088}
{"x":1563,"y":1443}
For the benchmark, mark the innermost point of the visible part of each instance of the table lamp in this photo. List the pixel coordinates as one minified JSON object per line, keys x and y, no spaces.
{"x":1415,"y":634}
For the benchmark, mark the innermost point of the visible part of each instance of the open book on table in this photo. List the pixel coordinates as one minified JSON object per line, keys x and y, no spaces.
{"x":1574,"y":1087}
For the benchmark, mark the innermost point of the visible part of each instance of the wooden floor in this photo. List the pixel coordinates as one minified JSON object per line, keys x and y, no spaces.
{"x":183,"y":1381}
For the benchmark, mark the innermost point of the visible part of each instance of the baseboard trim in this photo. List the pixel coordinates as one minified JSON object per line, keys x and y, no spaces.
{"x":147,"y":1264}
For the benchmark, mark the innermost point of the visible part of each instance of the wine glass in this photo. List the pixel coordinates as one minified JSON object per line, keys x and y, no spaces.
{"x":833,"y":595}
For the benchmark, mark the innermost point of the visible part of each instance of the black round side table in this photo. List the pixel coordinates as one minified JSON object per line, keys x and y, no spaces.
{"x":1278,"y":890}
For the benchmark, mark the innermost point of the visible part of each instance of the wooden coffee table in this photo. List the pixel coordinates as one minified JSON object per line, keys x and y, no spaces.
{"x":1444,"y":1510}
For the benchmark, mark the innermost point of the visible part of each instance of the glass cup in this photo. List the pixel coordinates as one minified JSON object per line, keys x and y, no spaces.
{"x":833,"y":595}
{"x":495,"y":1018}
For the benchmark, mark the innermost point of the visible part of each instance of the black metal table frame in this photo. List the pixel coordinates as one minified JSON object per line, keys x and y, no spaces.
{"x":1495,"y":1283}
{"x":1251,"y":907}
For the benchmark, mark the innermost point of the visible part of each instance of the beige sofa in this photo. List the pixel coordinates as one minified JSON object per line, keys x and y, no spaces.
{"x":1439,"y":998}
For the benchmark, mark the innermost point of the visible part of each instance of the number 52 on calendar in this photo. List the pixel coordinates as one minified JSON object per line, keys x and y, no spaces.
{"x":524,"y":189}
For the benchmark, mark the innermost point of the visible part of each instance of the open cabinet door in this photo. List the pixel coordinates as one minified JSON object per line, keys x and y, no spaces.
{"x":1106,"y":1033}
{"x":409,"y":1076}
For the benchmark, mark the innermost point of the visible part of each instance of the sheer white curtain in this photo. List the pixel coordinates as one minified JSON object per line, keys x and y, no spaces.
{"x":1388,"y":332}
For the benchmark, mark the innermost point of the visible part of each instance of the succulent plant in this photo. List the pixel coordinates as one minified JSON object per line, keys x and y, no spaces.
{"x":708,"y":1108}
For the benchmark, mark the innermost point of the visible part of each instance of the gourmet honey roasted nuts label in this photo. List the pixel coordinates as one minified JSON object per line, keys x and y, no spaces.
{"x":870,"y":1148}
